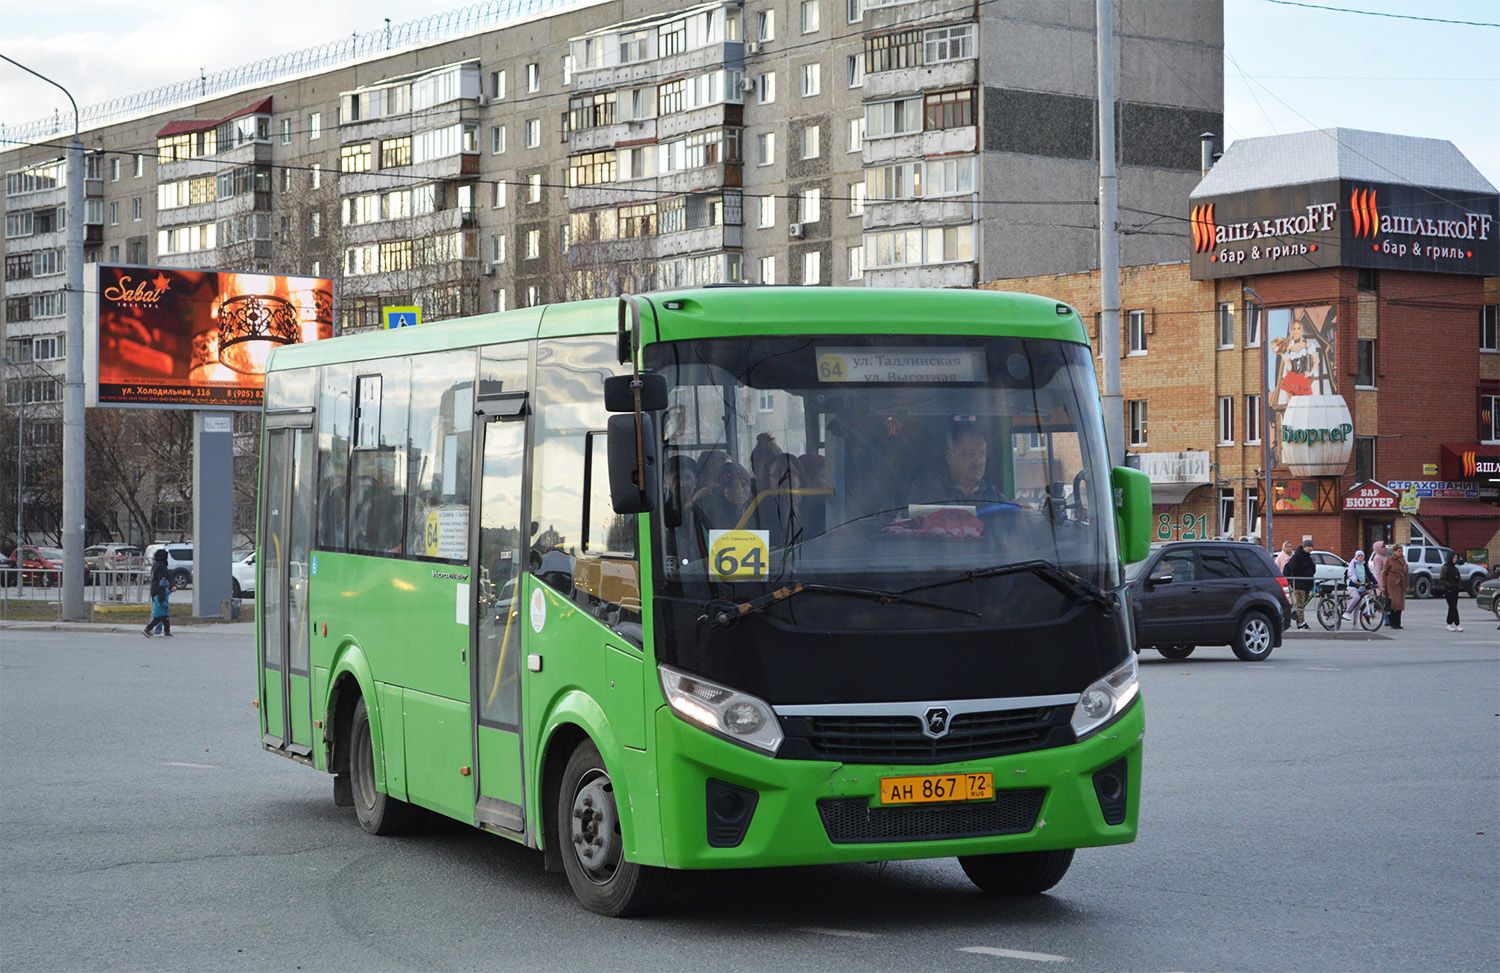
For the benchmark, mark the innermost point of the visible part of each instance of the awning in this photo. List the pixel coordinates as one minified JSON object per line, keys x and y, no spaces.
{"x":1464,"y":509}
{"x":1168,"y":494}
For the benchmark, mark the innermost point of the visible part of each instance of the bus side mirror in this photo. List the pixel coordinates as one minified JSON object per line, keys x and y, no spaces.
{"x":619,"y":394}
{"x":1132,"y":490}
{"x":632,"y":488}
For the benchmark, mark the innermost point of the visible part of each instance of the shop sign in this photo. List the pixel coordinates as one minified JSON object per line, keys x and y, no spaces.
{"x":1429,"y":469}
{"x":1371,"y":497}
{"x":1410,"y":502}
{"x":1345,"y":223}
{"x":1469,"y":461}
{"x":1315,"y":435}
{"x":1186,"y":467}
{"x":1307,"y":496}
{"x":1437,"y":489}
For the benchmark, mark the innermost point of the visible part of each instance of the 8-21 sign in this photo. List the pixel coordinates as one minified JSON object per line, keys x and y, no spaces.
{"x":1190,"y":527}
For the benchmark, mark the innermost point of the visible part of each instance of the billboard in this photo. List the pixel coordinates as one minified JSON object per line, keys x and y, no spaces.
{"x":199,"y":339}
{"x":1345,"y":223}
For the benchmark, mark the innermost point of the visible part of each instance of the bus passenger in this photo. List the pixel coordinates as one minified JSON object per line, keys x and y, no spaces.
{"x":961,"y":478}
{"x":681,"y":483}
{"x":765,"y":453}
{"x":725,"y":506}
{"x":783,"y":509}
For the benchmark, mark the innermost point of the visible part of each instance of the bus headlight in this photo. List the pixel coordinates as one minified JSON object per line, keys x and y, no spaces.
{"x":1106,"y":698}
{"x":735,"y":716}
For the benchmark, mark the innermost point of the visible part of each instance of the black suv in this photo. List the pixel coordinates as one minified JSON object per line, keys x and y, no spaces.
{"x":1192,"y":593}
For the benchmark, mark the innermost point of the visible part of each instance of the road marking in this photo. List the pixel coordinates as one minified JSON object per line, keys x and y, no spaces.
{"x":1320,"y":669}
{"x":1014,"y":954}
{"x":846,"y":933}
{"x":174,"y":763}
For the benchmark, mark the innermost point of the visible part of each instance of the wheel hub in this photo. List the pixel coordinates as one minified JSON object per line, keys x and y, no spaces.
{"x":595,"y":831}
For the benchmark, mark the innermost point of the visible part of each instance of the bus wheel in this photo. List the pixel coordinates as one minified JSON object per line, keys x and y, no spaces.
{"x":593,"y":850}
{"x":1018,"y":873}
{"x":1175,"y":651}
{"x":378,"y":813}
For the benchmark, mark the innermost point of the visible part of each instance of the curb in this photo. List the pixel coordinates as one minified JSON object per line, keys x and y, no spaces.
{"x":213,"y":627}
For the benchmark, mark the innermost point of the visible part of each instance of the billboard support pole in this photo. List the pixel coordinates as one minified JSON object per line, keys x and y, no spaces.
{"x":213,"y":511}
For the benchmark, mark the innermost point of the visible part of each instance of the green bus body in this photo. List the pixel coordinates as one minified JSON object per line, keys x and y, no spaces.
{"x":427,"y":624}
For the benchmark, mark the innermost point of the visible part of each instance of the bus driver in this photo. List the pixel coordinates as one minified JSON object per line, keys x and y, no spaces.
{"x":961,"y":479}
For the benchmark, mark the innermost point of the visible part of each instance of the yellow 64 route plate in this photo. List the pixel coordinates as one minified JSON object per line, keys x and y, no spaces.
{"x":739,"y":554}
{"x":937,"y":787}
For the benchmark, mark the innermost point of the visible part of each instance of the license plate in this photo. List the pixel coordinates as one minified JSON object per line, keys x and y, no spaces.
{"x":937,"y":787}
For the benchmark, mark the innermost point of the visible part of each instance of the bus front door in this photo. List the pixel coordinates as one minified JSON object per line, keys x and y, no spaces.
{"x":286,"y":518}
{"x":497,"y":543}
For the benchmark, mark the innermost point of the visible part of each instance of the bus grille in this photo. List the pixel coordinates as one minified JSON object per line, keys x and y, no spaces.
{"x":899,"y":739}
{"x":854,"y":821}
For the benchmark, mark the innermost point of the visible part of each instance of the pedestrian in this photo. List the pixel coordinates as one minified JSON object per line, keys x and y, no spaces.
{"x":1299,"y":571}
{"x":1358,"y":575}
{"x":1452,"y":585}
{"x":1378,"y":554}
{"x":160,"y":588}
{"x":1393,"y":580}
{"x":1284,"y":556}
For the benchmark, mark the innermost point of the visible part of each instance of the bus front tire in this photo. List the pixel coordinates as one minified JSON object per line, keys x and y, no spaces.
{"x":378,"y":813}
{"x":592,"y":847}
{"x":1018,"y":873}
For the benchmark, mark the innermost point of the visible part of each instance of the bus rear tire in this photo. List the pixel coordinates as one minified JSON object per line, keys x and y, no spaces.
{"x":1018,"y":873}
{"x":378,"y":813}
{"x":592,"y":846}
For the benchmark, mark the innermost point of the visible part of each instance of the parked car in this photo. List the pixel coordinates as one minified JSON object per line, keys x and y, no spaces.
{"x":1425,"y":561}
{"x":1489,"y":596}
{"x":243,"y":571}
{"x":113,"y":557}
{"x":1192,"y":593}
{"x":37,"y":566}
{"x":1328,"y":566}
{"x":179,"y":562}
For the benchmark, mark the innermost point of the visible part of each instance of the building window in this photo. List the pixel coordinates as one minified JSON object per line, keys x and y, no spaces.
{"x":856,"y":70}
{"x":497,"y":248}
{"x":497,"y":84}
{"x":1364,"y":376}
{"x":355,"y":158}
{"x":1226,"y":420}
{"x":1252,"y":510}
{"x":286,"y":179}
{"x":135,"y":209}
{"x":499,"y":299}
{"x":286,"y":131}
{"x":533,"y":244}
{"x":114,"y":169}
{"x":1489,"y":328}
{"x":856,"y":198}
{"x":765,"y":25}
{"x":948,"y":43}
{"x":1137,"y":417}
{"x":812,"y":79}
{"x":767,"y":211}
{"x":395,"y":152}
{"x":1252,"y":419}
{"x":114,"y":214}
{"x":812,"y":205}
{"x":315,"y":126}
{"x":533,"y":78}
{"x":768,"y":270}
{"x":765,"y":148}
{"x":533,"y":295}
{"x":1252,"y":326}
{"x":893,"y":51}
{"x":809,"y":16}
{"x":533,"y":132}
{"x":1364,"y":458}
{"x":316,"y":175}
{"x":1137,"y":321}
{"x":810,"y":139}
{"x":857,"y":263}
{"x":534,"y":188}
{"x":1489,"y":418}
{"x":140,"y":166}
{"x":1226,"y":511}
{"x":767,"y":400}
{"x":856,"y":10}
{"x":856,"y":134}
{"x":812,"y":267}
{"x":766,"y":88}
{"x":949,"y":109}
{"x":497,"y":139}
{"x":1226,"y":325}
{"x":498,"y":200}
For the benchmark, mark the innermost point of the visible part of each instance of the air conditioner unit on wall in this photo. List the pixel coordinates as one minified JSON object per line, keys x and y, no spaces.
{"x":795,"y":231}
{"x":747,"y":84}
{"x":489,"y":270}
{"x":483,"y":100}
{"x":752,"y":47}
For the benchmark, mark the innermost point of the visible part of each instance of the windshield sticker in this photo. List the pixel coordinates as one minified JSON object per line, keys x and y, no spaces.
{"x":739,"y":555}
{"x":902,"y":365}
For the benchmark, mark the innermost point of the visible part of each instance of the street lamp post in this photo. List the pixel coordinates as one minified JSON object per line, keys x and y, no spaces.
{"x":20,"y":456}
{"x":73,"y":456}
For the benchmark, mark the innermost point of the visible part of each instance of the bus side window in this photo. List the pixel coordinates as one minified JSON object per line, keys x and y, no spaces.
{"x":441,"y":438}
{"x":335,"y":431}
{"x":377,"y":487}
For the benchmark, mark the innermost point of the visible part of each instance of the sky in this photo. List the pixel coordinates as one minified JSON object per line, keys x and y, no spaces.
{"x":1288,"y":67}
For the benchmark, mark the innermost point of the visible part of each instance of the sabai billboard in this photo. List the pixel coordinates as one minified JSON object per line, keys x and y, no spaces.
{"x":1345,"y":223}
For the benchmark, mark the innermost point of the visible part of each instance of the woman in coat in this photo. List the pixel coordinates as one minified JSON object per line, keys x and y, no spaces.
{"x":1393,"y":577}
{"x":1453,"y":583}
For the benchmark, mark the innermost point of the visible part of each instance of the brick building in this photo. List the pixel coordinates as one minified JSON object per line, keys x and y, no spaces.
{"x":1362,"y":267}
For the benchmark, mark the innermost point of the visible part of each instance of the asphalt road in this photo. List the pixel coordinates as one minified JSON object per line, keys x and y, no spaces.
{"x":1336,"y":807}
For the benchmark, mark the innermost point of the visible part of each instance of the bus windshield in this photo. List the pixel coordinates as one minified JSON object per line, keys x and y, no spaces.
{"x":879,"y":462}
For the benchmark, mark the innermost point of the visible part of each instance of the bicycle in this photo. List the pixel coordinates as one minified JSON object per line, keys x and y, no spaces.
{"x":1333,"y":603}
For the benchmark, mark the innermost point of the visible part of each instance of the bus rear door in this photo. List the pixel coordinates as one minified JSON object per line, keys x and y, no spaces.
{"x":286,"y":542}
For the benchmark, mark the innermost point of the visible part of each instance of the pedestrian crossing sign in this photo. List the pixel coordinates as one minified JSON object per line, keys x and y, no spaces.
{"x":401,"y":317}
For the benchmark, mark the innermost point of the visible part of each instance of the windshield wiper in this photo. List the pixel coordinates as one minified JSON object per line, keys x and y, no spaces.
{"x":727,"y":615}
{"x":1063,"y":580}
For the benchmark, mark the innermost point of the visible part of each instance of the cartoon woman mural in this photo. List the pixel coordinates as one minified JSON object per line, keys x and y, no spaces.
{"x":1304,"y":359}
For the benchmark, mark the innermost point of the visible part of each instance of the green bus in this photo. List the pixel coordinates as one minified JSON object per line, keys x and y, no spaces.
{"x":710,"y":578}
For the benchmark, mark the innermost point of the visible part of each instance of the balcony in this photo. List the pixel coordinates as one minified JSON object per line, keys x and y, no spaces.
{"x":725,"y":54}
{"x":609,"y":136}
{"x":457,"y":166}
{"x":935,"y":275}
{"x":918,"y":145}
{"x":930,"y":211}
{"x":407,"y":228}
{"x":962,"y":73}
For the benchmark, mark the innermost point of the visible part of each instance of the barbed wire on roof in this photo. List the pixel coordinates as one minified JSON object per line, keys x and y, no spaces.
{"x":357,"y":46}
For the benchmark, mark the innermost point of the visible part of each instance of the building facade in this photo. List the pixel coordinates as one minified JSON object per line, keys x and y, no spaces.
{"x":584,"y":149}
{"x":1358,"y":270}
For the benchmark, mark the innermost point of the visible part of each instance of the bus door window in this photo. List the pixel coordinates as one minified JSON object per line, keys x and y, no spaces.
{"x":500,"y":543}
{"x":377,"y":475}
